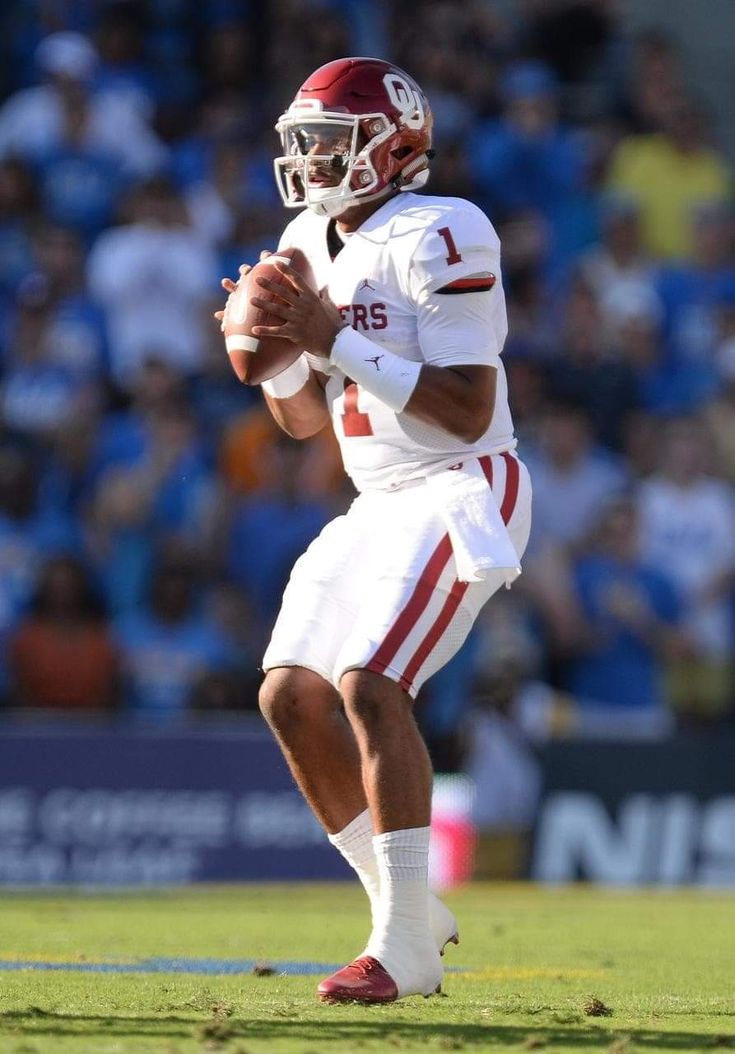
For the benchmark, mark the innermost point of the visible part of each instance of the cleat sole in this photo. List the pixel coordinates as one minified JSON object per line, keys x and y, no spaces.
{"x":338,"y":1000}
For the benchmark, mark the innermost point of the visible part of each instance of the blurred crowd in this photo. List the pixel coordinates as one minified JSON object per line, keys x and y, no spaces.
{"x":149,"y":510}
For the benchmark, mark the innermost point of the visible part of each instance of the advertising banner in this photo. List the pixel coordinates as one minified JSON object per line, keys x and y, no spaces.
{"x":129,"y":806}
{"x":638,"y":813}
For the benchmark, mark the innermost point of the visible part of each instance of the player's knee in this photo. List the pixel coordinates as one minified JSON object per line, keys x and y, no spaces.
{"x":281,"y":698}
{"x":291,"y":695}
{"x":369,"y":699}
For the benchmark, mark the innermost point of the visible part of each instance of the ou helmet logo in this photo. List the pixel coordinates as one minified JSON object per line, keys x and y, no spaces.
{"x":405,"y":99}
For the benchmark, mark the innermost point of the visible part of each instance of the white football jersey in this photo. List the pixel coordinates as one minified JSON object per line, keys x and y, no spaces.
{"x":385,"y":281}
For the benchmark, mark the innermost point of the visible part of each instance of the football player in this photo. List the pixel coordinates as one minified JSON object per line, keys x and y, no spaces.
{"x":401,"y":355}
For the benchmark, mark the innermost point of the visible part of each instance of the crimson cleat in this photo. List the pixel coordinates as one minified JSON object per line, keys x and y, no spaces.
{"x":363,"y":981}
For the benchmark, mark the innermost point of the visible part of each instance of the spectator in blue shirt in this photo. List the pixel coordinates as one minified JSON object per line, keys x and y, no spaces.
{"x":665,"y":386}
{"x":573,"y":478}
{"x":120,"y":540}
{"x":156,"y":445}
{"x":33,"y":120}
{"x":286,"y":516}
{"x":123,"y":67}
{"x":628,"y":617}
{"x":40,"y":392}
{"x":587,"y":372}
{"x":30,"y":533}
{"x":527,"y":159}
{"x":17,"y":213}
{"x":76,"y":336}
{"x":692,"y":290}
{"x":169,"y":646}
{"x":80,"y":187}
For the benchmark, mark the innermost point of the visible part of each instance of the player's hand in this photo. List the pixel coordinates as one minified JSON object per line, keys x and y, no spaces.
{"x":310,"y":319}
{"x":229,"y":286}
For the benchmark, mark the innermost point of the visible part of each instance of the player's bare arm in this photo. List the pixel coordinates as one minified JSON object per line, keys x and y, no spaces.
{"x":301,"y":415}
{"x":459,"y":399}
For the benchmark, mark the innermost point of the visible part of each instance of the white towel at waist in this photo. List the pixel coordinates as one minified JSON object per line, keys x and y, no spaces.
{"x":480,"y":539}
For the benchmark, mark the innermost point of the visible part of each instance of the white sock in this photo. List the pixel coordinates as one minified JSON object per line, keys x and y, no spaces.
{"x":401,"y":940}
{"x":355,"y":843}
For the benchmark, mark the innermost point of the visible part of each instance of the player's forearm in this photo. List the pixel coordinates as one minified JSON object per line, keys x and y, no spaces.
{"x":458,"y":399}
{"x":303,"y":414}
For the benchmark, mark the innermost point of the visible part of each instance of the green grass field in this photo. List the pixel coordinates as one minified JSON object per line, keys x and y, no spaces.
{"x":662,"y":963}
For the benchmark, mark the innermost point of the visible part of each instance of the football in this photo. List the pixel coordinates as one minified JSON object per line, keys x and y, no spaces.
{"x":257,"y":359}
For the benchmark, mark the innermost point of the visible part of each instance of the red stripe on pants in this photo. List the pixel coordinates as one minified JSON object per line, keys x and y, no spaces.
{"x":413,"y":610}
{"x":452,"y":602}
{"x":486,"y":464}
{"x":431,"y":639}
{"x":512,"y":478}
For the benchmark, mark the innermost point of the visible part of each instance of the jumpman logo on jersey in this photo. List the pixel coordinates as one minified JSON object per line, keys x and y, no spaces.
{"x":366,"y":285}
{"x":376,"y":359}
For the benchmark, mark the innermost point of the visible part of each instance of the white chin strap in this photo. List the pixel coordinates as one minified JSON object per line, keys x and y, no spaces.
{"x":418,"y":181}
{"x":330,"y":209}
{"x":332,"y":205}
{"x":324,"y":203}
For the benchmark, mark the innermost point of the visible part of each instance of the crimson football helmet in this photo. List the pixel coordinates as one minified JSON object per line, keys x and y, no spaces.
{"x":364,"y":123}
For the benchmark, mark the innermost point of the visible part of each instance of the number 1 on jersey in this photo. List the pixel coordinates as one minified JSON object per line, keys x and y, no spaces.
{"x":354,"y":423}
{"x":453,"y":254}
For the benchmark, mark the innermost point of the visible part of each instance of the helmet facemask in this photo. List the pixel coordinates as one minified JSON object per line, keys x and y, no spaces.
{"x":317,"y":145}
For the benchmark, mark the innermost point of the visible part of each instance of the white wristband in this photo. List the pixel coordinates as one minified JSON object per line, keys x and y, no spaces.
{"x":288,"y":383}
{"x":386,"y":376}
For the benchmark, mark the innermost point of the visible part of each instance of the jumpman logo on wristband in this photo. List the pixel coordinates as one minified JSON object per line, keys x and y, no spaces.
{"x":376,"y":360}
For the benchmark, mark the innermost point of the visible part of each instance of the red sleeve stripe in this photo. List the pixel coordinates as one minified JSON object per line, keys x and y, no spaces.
{"x":469,"y":285}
